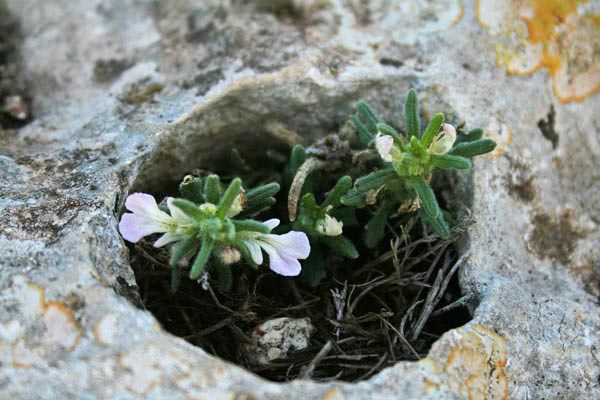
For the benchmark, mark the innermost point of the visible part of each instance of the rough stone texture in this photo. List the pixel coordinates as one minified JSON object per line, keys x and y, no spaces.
{"x":134,"y":94}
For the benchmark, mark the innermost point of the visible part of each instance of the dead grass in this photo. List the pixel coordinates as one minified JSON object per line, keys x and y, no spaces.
{"x":388,"y":306}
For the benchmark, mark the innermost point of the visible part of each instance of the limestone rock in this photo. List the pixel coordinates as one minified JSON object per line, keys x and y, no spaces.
{"x":132,"y":95}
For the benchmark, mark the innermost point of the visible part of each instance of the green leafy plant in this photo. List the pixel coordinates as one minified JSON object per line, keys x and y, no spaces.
{"x":402,"y":180}
{"x":208,"y":221}
{"x":324,"y":222}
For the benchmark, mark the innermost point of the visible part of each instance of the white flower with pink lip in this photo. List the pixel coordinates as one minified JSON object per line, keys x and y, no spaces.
{"x":146,"y":218}
{"x":444,"y":141}
{"x":284,"y":250}
{"x":384,"y":145}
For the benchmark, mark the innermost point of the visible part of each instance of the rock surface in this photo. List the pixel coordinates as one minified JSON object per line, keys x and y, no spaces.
{"x":130,"y":95}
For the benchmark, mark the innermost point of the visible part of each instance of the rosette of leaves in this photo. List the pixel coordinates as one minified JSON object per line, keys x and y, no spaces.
{"x":213,"y":207}
{"x":402,"y":181}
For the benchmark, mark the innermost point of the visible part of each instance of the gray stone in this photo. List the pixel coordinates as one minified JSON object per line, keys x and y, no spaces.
{"x":132,"y":95}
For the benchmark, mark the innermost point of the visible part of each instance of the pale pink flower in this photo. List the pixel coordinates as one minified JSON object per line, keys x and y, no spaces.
{"x":444,"y":141}
{"x":146,"y":218}
{"x":284,"y":250}
{"x":384,"y":144}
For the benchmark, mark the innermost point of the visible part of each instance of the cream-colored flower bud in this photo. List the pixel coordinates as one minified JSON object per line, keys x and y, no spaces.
{"x":208,"y":208}
{"x":329,"y":226}
{"x":444,"y":141}
{"x":230,"y":255}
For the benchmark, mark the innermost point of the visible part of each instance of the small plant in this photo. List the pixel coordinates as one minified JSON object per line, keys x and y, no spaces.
{"x":203,"y":224}
{"x":401,"y":183}
{"x":209,"y":219}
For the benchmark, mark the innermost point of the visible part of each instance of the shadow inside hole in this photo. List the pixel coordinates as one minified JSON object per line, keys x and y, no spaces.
{"x":15,"y":98}
{"x":389,"y":312}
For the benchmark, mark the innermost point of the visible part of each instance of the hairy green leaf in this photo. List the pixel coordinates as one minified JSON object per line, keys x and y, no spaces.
{"x":473,"y":135}
{"x":224,"y":275}
{"x":191,"y":189}
{"x":444,"y":161}
{"x":354,"y":198}
{"x":202,"y":257}
{"x":432,"y":129}
{"x":472,"y":149}
{"x":411,"y":112}
{"x":266,"y":203}
{"x":341,"y":188}
{"x":362,"y":132}
{"x":375,"y":228}
{"x":375,"y":180}
{"x":181,"y":249}
{"x":439,"y":225}
{"x":428,"y":201}
{"x":369,"y":116}
{"x":188,"y":208}
{"x":212,"y":189}
{"x":233,"y":190}
{"x":341,"y":245}
{"x":297,"y":158}
{"x":418,"y":149}
{"x":250,"y":225}
{"x":175,"y":278}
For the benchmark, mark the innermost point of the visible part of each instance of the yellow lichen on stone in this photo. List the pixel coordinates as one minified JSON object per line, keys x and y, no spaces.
{"x":30,"y":302}
{"x":334,"y":394}
{"x":560,"y":35}
{"x":471,"y":363}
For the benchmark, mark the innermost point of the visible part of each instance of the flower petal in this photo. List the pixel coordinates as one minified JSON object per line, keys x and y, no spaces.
{"x":292,"y":244}
{"x":384,"y":144}
{"x":254,"y":250}
{"x":272,"y":223}
{"x":133,"y":227}
{"x":282,"y":264}
{"x":145,"y":204}
{"x":167,"y":238}
{"x":179,"y":216}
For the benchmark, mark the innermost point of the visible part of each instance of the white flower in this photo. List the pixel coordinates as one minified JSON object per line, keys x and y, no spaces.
{"x":284,"y":250}
{"x":329,"y":226}
{"x":444,"y":141}
{"x":146,"y":218}
{"x":384,"y":144}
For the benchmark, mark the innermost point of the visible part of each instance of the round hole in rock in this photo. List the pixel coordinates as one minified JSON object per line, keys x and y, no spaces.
{"x":388,"y":305}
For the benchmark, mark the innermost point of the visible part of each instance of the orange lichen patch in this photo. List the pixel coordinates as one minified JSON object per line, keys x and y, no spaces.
{"x":334,"y":394}
{"x":30,"y":300}
{"x":560,"y":35}
{"x":107,"y":330}
{"x":473,"y":362}
{"x":61,"y":327}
